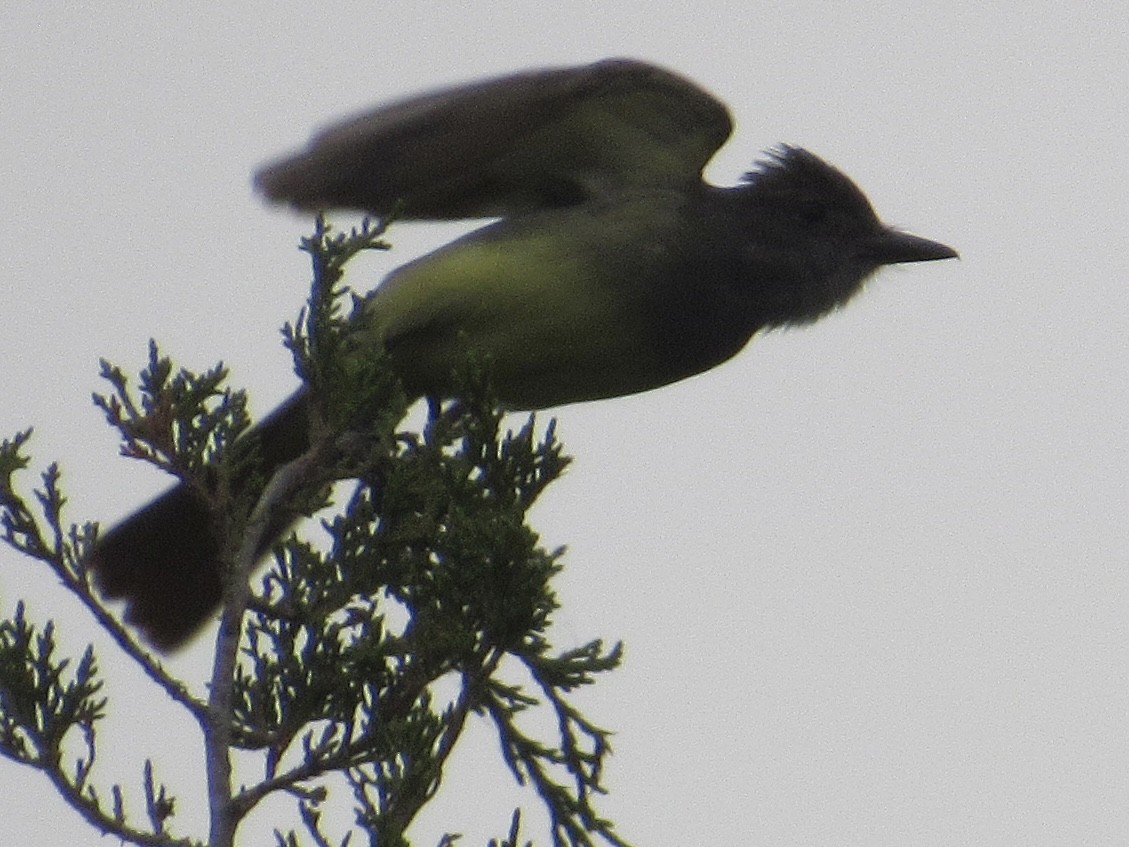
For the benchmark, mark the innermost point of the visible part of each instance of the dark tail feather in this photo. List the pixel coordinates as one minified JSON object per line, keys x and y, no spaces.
{"x":164,"y":559}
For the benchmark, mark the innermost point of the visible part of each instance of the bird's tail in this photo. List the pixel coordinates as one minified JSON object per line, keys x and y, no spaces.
{"x":164,"y":560}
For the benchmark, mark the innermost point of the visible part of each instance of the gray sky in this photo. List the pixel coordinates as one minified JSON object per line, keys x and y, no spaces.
{"x":872,"y":575}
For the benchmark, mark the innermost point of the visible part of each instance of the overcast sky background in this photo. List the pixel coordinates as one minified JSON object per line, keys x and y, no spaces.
{"x":872,"y":574}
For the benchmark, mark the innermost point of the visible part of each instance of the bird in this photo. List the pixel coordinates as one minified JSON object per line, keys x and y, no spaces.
{"x":611,"y":267}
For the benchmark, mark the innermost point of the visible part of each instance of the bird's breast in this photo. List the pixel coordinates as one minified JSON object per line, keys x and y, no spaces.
{"x":570,"y":305}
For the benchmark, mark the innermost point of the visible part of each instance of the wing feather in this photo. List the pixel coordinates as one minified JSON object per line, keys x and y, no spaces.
{"x":507,"y":146}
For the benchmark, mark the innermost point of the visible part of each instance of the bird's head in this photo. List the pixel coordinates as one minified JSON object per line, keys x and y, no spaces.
{"x":814,"y":237}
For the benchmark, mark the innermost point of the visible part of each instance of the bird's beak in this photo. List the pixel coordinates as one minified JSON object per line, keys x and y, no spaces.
{"x":892,"y":248}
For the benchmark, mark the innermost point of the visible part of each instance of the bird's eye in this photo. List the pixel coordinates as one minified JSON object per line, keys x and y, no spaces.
{"x":557,"y":192}
{"x":811,"y":214}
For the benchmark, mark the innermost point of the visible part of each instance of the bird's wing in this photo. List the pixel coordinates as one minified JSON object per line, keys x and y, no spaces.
{"x":510,"y":145}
